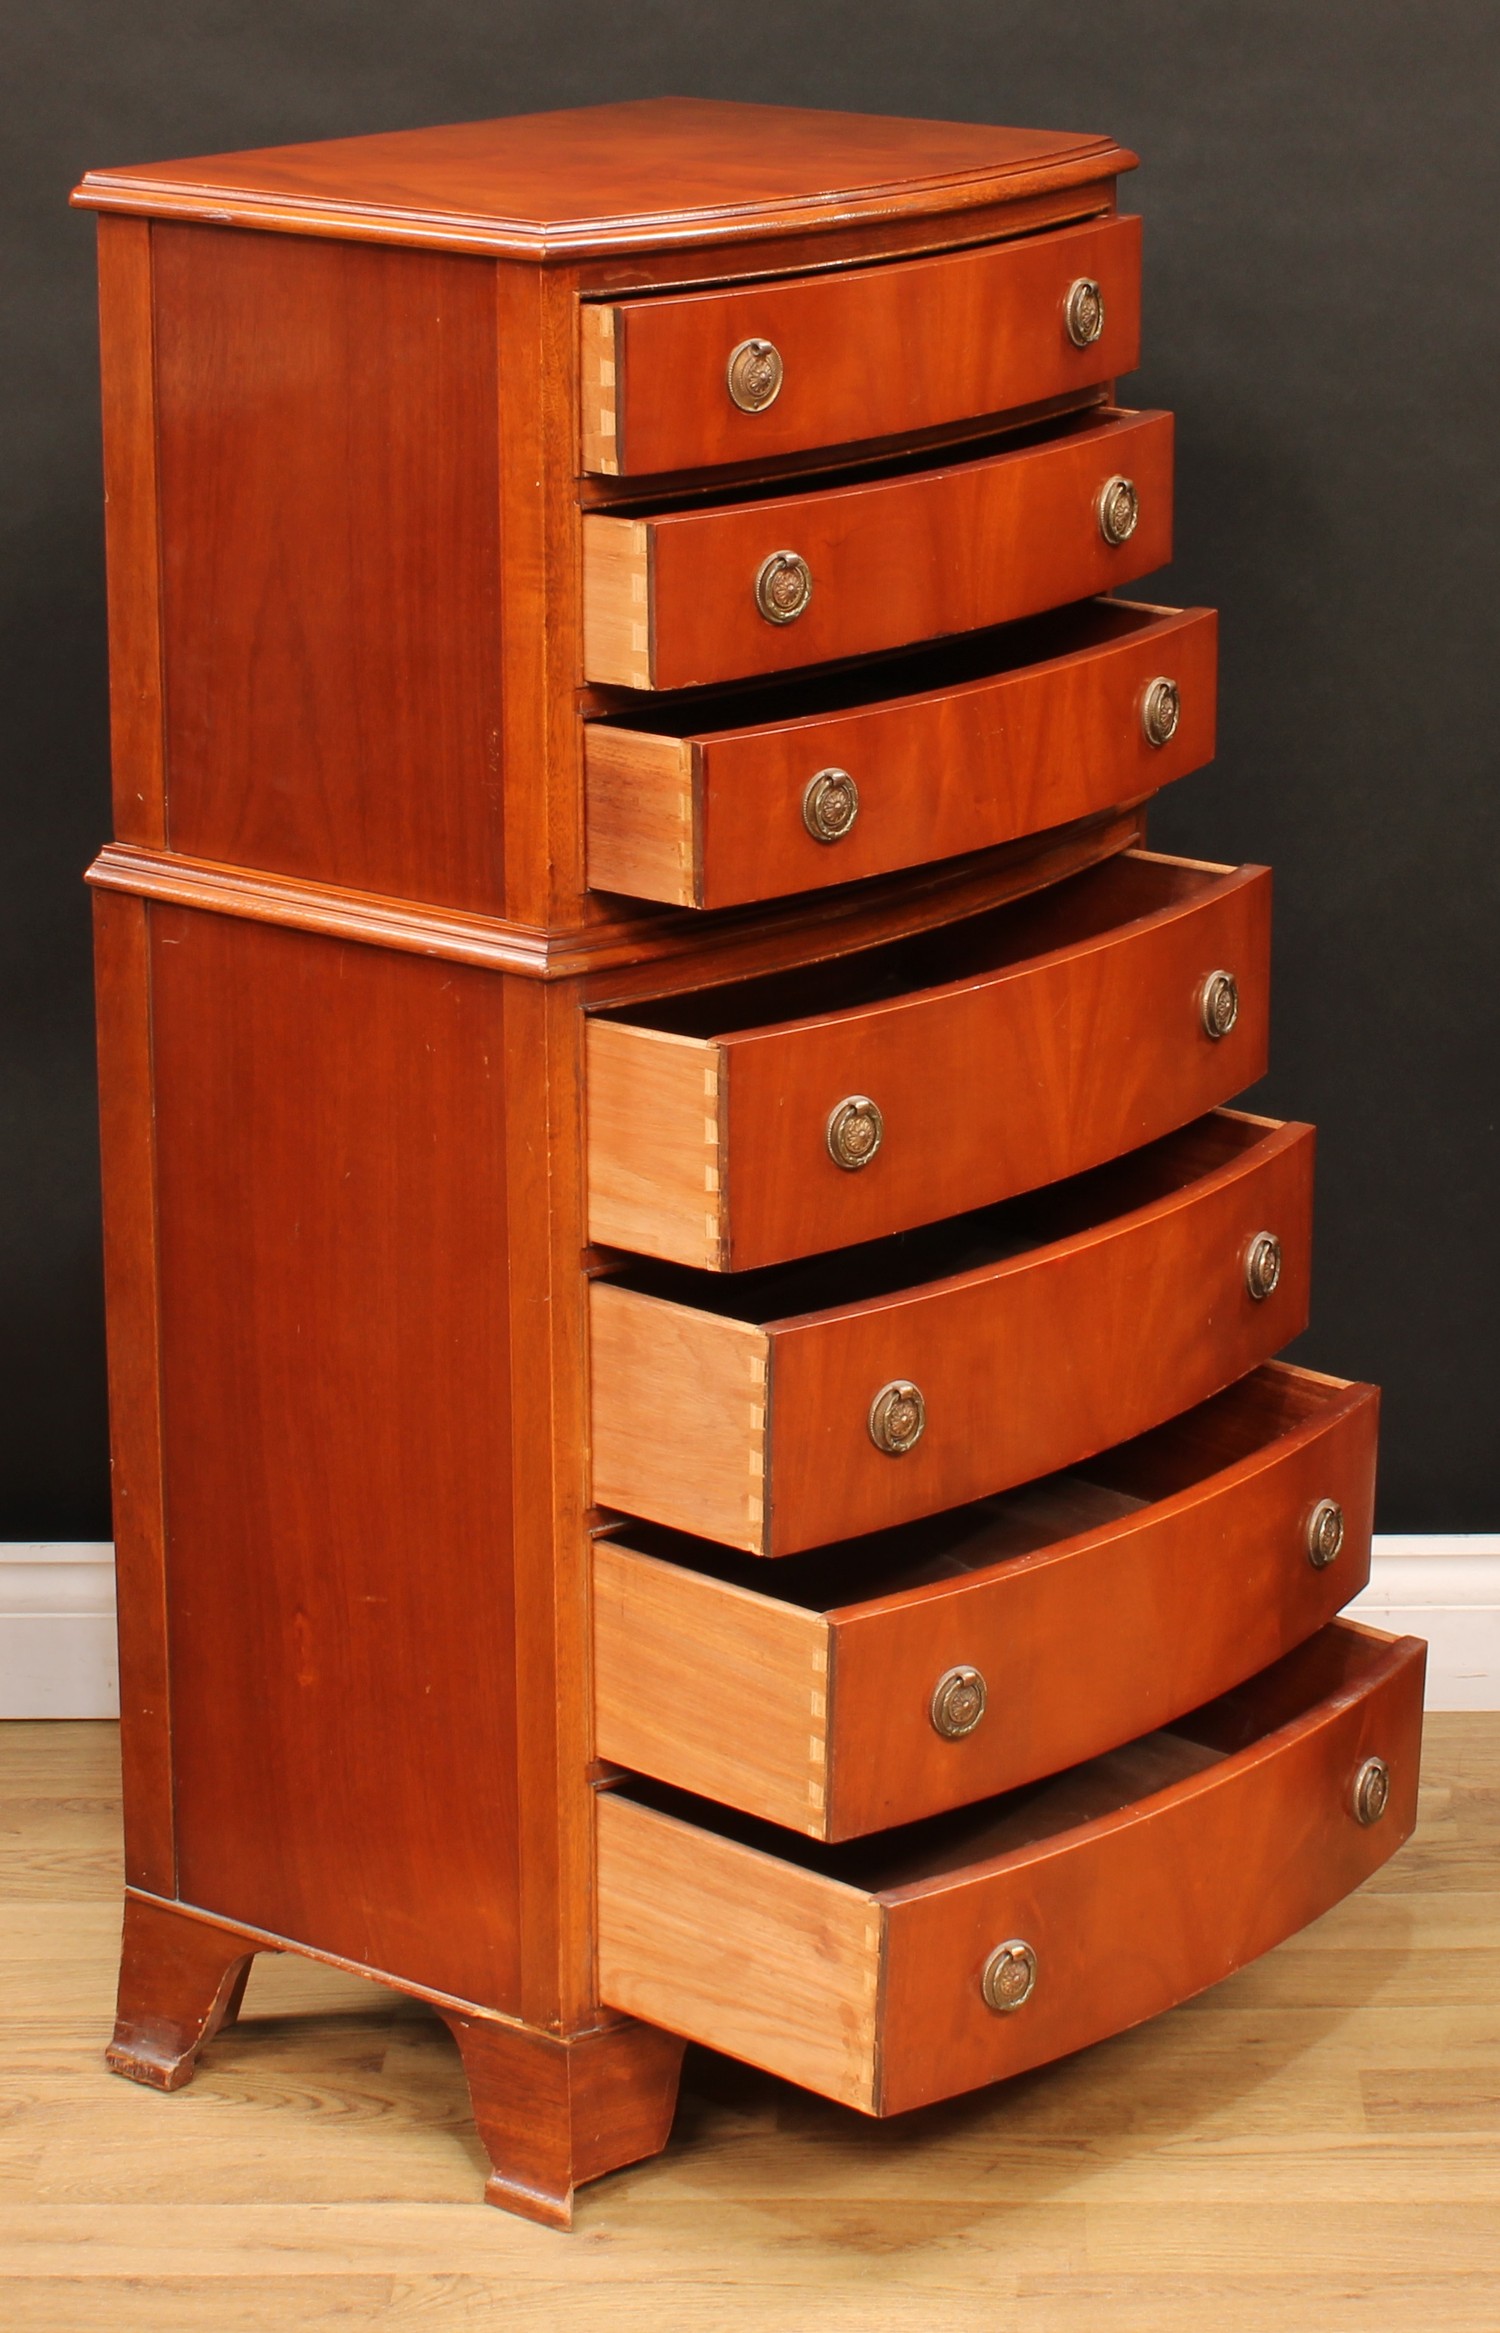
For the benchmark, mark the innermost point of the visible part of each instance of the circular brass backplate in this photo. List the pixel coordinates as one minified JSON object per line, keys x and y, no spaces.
{"x":754,"y":375}
{"x":1219,"y":1004}
{"x":1263,"y":1265}
{"x":1083,"y":312}
{"x":1161,"y":710}
{"x":1119,"y":508}
{"x":1370,"y":1794}
{"x":898,"y":1417}
{"x":783,"y":587}
{"x":1325,"y":1533}
{"x":959,"y":1700}
{"x":830,"y":805}
{"x":1009,"y":1977}
{"x":856,"y":1130}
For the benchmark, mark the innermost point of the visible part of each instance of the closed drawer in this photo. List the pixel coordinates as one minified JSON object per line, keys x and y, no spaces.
{"x":1120,"y":1887}
{"x":968,"y":745}
{"x":933,"y":1075}
{"x":762,"y":370}
{"x":895,"y":1676}
{"x":762,"y":1411}
{"x":677,"y":597}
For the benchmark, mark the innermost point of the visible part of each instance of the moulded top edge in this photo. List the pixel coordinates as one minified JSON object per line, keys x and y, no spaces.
{"x":599,"y":179}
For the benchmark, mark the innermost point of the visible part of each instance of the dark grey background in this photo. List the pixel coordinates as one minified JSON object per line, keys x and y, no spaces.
{"x":1319,"y":191}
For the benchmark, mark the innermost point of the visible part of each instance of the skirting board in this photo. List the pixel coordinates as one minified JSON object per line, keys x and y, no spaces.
{"x":57,"y":1620}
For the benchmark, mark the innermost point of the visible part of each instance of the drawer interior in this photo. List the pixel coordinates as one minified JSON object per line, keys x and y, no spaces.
{"x":1271,"y":1403}
{"x":1121,"y":890}
{"x":1335,"y":1662}
{"x":965,"y":1243}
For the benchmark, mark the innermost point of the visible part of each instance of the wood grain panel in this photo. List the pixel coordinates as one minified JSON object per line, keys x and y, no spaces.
{"x":867,"y":353}
{"x":1095,"y":1605}
{"x":132,"y":539}
{"x":678,"y":1408}
{"x":330,"y":520}
{"x":700,"y":1935}
{"x":1038,"y":1333}
{"x":127,"y":1157}
{"x":717,"y":1153}
{"x":1020,"y":730}
{"x":709,"y":1685}
{"x":331,"y":1146}
{"x":893,"y":558}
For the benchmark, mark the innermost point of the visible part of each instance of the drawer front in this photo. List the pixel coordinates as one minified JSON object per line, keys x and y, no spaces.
{"x":826,"y":1716}
{"x":675,"y":384}
{"x":671,"y":601}
{"x":722,"y":817}
{"x":762,"y":1435}
{"x":1132,"y":1884}
{"x":989,"y":1085}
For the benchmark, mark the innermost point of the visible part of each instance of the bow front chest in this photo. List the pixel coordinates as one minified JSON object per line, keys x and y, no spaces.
{"x":698,"y":1445}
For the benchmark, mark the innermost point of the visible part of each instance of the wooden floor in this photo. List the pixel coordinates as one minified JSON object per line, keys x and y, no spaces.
{"x":1315,"y":2145}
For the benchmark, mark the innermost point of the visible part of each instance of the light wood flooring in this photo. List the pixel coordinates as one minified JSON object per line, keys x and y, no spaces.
{"x":1314,"y":2145}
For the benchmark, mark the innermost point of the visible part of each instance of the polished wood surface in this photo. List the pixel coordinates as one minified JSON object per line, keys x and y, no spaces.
{"x":989,"y":739}
{"x":330,"y":518}
{"x":132,"y":532}
{"x":1095,"y":1605}
{"x":708,"y":1120}
{"x":647,"y":174}
{"x":737,"y":1409}
{"x":669,"y":599}
{"x":306,"y":1214}
{"x":1136,"y":1880}
{"x":873,"y":353}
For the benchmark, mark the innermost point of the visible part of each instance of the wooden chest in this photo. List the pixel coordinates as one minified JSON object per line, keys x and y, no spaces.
{"x":698,"y":1444}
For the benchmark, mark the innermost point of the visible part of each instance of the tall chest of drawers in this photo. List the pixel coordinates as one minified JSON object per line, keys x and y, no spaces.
{"x":698,"y":1445}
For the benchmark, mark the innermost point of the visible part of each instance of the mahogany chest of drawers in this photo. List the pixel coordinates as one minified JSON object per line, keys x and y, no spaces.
{"x":698,"y":1448}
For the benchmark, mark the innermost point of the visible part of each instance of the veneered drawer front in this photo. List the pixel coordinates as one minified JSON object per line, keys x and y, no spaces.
{"x":1029,"y":728}
{"x":831,"y":1692}
{"x":759,"y":1423}
{"x":873,"y":352}
{"x":1120,"y":1888}
{"x":670,"y":600}
{"x":1074,"y":1025}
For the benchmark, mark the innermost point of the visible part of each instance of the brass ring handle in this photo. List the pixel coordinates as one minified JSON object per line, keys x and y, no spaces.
{"x":898,"y":1417}
{"x":855,"y":1131}
{"x":959,"y":1700}
{"x":1370,"y":1793}
{"x":783,"y":587}
{"x":1219,"y":1004}
{"x":1009,"y":1976}
{"x":754,"y":375}
{"x":1263,"y":1265}
{"x":830,"y":805}
{"x":1119,"y":510}
{"x":1161,"y":710}
{"x":1324,"y":1535}
{"x":1083,"y":312}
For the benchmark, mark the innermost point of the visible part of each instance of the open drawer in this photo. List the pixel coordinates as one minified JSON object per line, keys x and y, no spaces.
{"x":895,"y":1970}
{"x":919,"y":1669}
{"x":800,"y":784}
{"x":812,"y":1402}
{"x":683,"y":595}
{"x":745,"y":1125}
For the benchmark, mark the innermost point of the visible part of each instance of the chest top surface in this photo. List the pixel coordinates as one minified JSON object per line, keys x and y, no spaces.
{"x":650,"y":173}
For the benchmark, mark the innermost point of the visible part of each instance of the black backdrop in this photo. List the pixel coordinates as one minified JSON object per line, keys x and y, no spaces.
{"x":1319,"y":194}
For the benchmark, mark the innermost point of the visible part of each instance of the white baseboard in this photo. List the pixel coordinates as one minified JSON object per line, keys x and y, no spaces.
{"x":57,"y":1629}
{"x":57,"y":1620}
